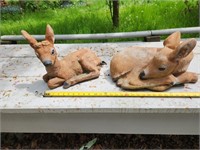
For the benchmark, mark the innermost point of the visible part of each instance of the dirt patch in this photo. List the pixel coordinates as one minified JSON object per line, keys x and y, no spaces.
{"x":104,"y":141}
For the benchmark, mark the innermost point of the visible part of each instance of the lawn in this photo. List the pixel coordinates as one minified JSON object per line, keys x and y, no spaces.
{"x":94,"y":17}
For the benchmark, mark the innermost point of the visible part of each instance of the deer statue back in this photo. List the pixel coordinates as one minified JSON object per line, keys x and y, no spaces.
{"x":154,"y":68}
{"x":74,"y":68}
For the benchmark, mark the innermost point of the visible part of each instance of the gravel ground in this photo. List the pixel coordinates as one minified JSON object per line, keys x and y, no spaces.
{"x":104,"y":141}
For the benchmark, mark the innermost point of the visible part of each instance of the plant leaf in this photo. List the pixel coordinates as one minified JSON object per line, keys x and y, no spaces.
{"x":89,"y":144}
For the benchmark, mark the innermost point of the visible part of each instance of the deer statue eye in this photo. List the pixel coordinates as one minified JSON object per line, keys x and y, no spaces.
{"x":161,"y":68}
{"x":52,"y":52}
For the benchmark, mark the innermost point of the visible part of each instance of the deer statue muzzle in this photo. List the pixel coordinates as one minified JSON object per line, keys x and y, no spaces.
{"x":47,"y":63}
{"x":154,"y":68}
{"x":76,"y":67}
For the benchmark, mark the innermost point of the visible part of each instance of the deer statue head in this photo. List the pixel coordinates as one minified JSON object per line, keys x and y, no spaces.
{"x":167,"y":59}
{"x":44,"y":50}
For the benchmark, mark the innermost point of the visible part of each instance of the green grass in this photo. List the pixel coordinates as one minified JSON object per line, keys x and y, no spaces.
{"x":95,"y":18}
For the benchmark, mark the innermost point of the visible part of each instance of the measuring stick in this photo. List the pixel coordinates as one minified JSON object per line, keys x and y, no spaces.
{"x":120,"y":94}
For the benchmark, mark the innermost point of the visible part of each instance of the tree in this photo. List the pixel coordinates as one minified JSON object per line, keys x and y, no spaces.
{"x":114,"y":11}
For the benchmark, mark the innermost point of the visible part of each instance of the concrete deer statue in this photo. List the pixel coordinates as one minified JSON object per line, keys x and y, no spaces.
{"x":154,"y":68}
{"x":74,"y":68}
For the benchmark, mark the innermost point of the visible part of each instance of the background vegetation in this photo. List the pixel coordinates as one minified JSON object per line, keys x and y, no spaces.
{"x":93,"y":16}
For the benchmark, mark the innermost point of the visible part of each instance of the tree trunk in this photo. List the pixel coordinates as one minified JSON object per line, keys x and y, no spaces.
{"x":22,"y":4}
{"x":115,"y":17}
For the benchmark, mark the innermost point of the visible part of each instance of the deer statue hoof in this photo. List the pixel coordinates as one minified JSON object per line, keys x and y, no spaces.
{"x":66,"y":85}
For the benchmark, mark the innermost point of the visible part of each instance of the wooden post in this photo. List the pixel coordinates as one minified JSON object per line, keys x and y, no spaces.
{"x":115,"y":17}
{"x":22,"y":4}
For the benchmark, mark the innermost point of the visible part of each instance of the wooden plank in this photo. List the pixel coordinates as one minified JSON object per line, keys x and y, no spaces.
{"x":107,"y":49}
{"x":25,"y":95}
{"x":32,"y":66}
{"x":195,"y":64}
{"x":24,"y":109}
{"x":22,"y":87}
{"x":123,"y":123}
{"x":152,"y":39}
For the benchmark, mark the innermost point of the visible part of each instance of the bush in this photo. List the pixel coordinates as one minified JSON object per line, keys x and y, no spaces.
{"x":12,"y":9}
{"x":35,"y":5}
{"x":191,"y":5}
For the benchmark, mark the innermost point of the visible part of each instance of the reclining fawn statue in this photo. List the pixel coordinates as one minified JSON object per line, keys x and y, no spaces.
{"x":156,"y":69}
{"x":74,"y":68}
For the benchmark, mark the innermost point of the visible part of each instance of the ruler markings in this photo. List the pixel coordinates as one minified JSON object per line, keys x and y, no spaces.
{"x":119,"y":94}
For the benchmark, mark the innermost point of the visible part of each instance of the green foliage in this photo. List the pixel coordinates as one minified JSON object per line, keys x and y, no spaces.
{"x":157,"y":15}
{"x":11,"y":9}
{"x":30,"y":5}
{"x":191,"y":5}
{"x":34,"y":5}
{"x":12,"y":2}
{"x":94,"y":17}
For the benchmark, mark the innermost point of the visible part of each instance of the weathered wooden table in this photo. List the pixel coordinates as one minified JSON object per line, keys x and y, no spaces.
{"x":24,"y":109}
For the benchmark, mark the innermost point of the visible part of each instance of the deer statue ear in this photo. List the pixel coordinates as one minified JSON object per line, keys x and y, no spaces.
{"x":183,"y":49}
{"x":32,"y":41}
{"x":173,"y":40}
{"x":49,"y":34}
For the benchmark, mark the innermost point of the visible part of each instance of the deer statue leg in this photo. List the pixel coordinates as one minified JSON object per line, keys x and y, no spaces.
{"x":55,"y":82}
{"x":187,"y":77}
{"x":46,"y":77}
{"x":91,"y":68}
{"x":160,"y":88}
{"x":160,"y":84}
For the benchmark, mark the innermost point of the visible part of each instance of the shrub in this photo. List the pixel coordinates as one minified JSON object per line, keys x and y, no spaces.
{"x":35,"y":5}
{"x":11,"y":9}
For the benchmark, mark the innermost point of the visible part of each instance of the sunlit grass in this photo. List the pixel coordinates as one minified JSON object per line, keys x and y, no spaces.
{"x":95,"y":18}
